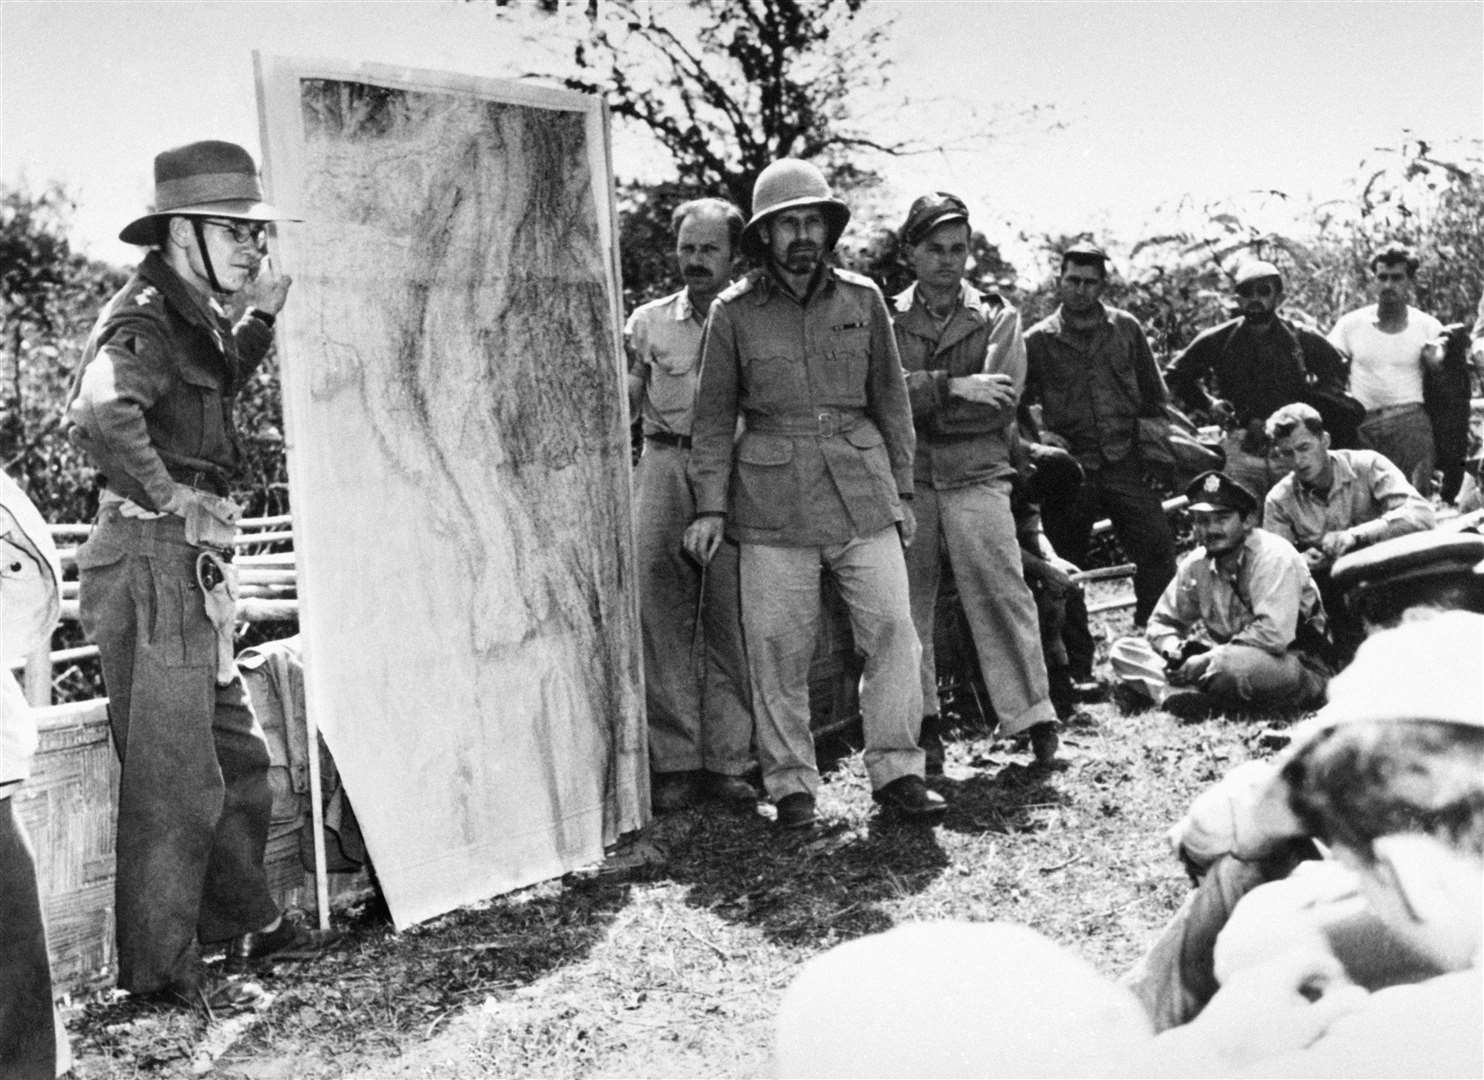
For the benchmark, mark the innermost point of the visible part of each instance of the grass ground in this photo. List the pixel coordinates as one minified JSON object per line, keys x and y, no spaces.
{"x":675,"y":967}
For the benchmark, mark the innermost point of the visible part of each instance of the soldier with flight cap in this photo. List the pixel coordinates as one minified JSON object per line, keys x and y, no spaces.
{"x":1259,"y":607}
{"x":152,"y":407}
{"x":965,"y":363}
{"x":819,"y":478}
{"x":1237,"y":373}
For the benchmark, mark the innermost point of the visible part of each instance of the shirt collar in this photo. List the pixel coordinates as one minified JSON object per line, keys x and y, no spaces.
{"x":191,"y":305}
{"x":1341,"y":474}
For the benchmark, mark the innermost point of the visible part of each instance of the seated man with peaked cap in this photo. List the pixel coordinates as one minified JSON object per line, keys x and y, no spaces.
{"x":1241,"y":627}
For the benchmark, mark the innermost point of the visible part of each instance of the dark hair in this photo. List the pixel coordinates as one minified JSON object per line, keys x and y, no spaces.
{"x":709,"y":205}
{"x":1078,"y":258}
{"x":1393,"y":254}
{"x":1364,"y":780}
{"x":1286,"y":420}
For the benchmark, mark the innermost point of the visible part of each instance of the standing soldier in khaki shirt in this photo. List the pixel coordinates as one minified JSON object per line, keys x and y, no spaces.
{"x":820,"y":478}
{"x":700,"y":723}
{"x":965,"y":368}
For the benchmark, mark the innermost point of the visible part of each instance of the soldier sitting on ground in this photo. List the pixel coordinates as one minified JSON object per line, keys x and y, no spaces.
{"x":1241,"y":628}
{"x":1333,"y":502}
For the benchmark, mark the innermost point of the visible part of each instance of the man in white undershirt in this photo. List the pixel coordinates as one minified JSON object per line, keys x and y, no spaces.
{"x":1389,"y":344}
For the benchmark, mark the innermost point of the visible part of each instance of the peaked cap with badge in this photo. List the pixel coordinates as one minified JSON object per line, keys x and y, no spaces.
{"x":1216,"y":491}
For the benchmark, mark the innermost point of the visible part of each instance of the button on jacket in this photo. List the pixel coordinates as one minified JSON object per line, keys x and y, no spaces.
{"x":959,"y":442}
{"x":1257,"y":373}
{"x":827,"y":438}
{"x":155,"y":393}
{"x":1093,"y":388}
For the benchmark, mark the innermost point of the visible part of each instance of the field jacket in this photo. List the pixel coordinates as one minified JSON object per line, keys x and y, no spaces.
{"x":152,"y":403}
{"x":959,"y":442}
{"x":826,"y":442}
{"x":1255,"y":381}
{"x":1093,"y":390}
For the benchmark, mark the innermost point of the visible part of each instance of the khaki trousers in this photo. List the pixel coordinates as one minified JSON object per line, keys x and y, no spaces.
{"x":780,"y":617}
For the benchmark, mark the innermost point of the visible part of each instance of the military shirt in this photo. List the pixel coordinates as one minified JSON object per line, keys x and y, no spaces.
{"x":155,"y":392}
{"x":826,"y":442}
{"x":1093,"y":388}
{"x":664,"y":343}
{"x":1367,"y":497}
{"x":1259,"y":604}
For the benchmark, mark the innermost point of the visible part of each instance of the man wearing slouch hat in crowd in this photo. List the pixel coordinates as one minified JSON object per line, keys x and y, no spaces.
{"x":152,"y":407}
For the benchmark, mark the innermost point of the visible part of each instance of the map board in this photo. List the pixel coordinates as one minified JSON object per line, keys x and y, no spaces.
{"x":459,"y":468}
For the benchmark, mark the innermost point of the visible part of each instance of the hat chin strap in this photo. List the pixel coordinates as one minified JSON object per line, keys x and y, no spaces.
{"x":199,"y":229}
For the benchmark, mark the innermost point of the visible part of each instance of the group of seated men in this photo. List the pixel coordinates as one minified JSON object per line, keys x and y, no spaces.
{"x":796,"y":423}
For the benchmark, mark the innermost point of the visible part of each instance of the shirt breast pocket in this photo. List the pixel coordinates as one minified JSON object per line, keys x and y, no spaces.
{"x":844,"y":366}
{"x":197,"y":423}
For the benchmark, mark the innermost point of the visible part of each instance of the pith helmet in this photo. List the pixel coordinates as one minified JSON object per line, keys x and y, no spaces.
{"x":1256,"y":270}
{"x":787,"y":183}
{"x":203,"y":179}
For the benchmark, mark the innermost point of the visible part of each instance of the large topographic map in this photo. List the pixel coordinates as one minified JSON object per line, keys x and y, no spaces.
{"x":459,"y":464}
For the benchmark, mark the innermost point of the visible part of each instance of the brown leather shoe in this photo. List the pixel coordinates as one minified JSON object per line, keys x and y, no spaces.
{"x":290,"y":941}
{"x":909,"y":795}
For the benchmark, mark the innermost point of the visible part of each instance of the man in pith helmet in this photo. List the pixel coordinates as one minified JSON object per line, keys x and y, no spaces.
{"x":820,"y":478}
{"x":152,"y":407}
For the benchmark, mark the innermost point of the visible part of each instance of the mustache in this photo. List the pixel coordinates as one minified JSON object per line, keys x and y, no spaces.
{"x":697,"y":271}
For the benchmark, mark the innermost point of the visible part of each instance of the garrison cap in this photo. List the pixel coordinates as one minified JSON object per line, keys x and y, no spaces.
{"x":1216,"y":491}
{"x":1255,"y":270}
{"x":930,"y":211}
{"x":1086,"y":250}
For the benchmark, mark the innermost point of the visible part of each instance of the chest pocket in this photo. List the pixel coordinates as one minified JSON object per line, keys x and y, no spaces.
{"x":672,"y":380}
{"x":192,"y":418}
{"x":840,"y":375}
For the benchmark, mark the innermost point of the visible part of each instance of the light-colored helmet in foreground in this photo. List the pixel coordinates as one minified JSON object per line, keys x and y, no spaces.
{"x":788,"y":183}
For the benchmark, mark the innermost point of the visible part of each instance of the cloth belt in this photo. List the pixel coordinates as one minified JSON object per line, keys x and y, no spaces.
{"x":826,"y":423}
{"x":668,"y":438}
{"x":201,"y":479}
{"x":1392,"y":410}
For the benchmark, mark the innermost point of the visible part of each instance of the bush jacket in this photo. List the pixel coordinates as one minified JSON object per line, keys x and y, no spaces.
{"x":959,"y":442}
{"x":826,"y":441}
{"x":152,"y":403}
{"x":1093,"y":391}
